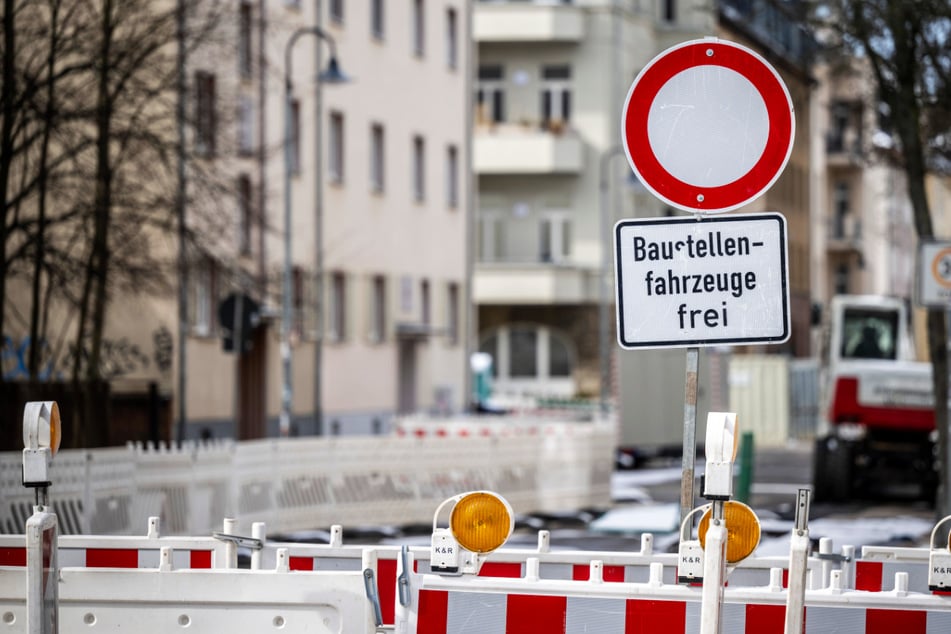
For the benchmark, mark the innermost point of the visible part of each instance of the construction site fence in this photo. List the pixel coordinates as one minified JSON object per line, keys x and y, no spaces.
{"x":298,"y":484}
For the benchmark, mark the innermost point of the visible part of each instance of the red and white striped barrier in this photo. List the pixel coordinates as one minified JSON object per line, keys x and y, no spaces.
{"x":124,"y":551}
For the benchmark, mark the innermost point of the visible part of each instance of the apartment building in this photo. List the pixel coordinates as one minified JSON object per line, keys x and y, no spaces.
{"x":375,"y":253}
{"x":551,"y":82}
{"x":379,"y":199}
{"x":552,"y":179}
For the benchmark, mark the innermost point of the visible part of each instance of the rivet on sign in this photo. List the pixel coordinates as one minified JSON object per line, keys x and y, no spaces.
{"x":709,"y":52}
{"x":699,"y":198}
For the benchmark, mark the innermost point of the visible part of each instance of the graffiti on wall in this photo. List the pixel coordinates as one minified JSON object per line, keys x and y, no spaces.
{"x":118,"y":357}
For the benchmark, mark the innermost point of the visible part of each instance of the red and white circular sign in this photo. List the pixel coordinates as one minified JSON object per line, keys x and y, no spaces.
{"x":708,"y":125}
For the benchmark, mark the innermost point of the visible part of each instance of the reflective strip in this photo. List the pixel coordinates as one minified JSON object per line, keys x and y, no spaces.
{"x":511,"y":570}
{"x":646,"y":616}
{"x":823,"y":620}
{"x":442,"y":612}
{"x":324,"y":563}
{"x":868,"y":576}
{"x":131,"y":558}
{"x":534,"y":613}
{"x":586,"y":615}
{"x":582,"y":572}
{"x":474,"y":613}
{"x":433,"y":612}
{"x":13,"y":556}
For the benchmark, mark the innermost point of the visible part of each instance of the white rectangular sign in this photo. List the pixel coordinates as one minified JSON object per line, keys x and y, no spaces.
{"x":934,"y":274}
{"x":683,"y":282}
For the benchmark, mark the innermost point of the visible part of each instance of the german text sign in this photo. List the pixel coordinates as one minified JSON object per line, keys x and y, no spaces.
{"x":683,"y":282}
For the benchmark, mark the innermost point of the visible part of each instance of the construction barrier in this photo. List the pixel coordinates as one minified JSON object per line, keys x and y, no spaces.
{"x":540,"y":465}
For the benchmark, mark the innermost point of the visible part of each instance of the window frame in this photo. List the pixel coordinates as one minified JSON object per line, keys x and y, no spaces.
{"x":336,"y":147}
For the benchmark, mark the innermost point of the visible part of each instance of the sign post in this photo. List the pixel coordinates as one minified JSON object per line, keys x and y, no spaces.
{"x":707,"y":127}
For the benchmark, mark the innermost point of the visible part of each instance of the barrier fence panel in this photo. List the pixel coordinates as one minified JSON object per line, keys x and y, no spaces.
{"x":539,"y":465}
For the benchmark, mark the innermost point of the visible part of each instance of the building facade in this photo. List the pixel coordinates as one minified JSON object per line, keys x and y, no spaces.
{"x":379,"y":212}
{"x":373,"y":262}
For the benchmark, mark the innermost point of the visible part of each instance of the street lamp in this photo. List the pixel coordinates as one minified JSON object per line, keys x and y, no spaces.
{"x":332,"y":75}
{"x":604,"y":319}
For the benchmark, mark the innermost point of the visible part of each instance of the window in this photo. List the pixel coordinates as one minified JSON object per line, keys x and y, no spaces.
{"x":490,"y":346}
{"x":452,"y":313}
{"x":555,"y":95}
{"x":377,"y":157}
{"x":244,"y":215}
{"x":293,"y":142}
{"x":869,"y":334}
{"x":419,"y":168}
{"x":245,"y":125}
{"x":841,"y":281}
{"x":336,"y":10}
{"x":452,"y":40}
{"x":554,"y":238}
{"x":335,"y":164}
{"x":530,"y":359}
{"x":244,"y":41}
{"x":418,"y":31}
{"x":490,"y":236}
{"x":205,"y":117}
{"x":452,"y":176}
{"x":523,"y":346}
{"x":338,"y":306}
{"x":424,"y":303}
{"x":840,"y":207}
{"x":559,"y":360}
{"x":378,"y":309}
{"x":490,"y":98}
{"x":203,"y":296}
{"x":297,"y":299}
{"x":376,"y":18}
{"x":669,"y":8}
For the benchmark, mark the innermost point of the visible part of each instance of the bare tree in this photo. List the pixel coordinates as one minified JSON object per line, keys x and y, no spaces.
{"x":89,"y":121}
{"x":908,"y":49}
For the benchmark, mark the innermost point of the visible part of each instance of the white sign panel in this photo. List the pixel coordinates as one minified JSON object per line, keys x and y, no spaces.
{"x":685,"y":282}
{"x":934,"y":274}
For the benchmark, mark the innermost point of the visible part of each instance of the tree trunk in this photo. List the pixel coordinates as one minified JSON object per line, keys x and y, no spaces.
{"x":95,"y":435}
{"x":39,"y":255}
{"x":6,"y":145}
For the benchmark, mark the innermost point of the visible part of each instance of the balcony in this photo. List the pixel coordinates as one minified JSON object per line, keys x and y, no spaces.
{"x":539,"y":21}
{"x":534,"y":283}
{"x":845,"y":235}
{"x":516,"y":149}
{"x":843,"y":150}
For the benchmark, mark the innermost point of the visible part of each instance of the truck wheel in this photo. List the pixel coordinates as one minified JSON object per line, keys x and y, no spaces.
{"x":840,"y":471}
{"x":831,"y":470}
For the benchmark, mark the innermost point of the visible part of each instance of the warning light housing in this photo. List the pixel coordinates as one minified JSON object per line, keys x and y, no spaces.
{"x":742,"y":527}
{"x":479,"y":523}
{"x":42,"y":433}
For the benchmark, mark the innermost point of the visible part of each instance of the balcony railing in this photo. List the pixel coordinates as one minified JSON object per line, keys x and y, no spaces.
{"x":524,"y":149}
{"x":539,"y":21}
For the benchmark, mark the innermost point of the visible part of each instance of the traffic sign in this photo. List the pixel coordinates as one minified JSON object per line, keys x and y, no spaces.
{"x":719,"y":281}
{"x":708,"y":125}
{"x":934,"y":274}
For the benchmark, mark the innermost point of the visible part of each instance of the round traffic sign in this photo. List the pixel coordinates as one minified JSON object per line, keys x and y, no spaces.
{"x":708,"y":125}
{"x":941,"y":268}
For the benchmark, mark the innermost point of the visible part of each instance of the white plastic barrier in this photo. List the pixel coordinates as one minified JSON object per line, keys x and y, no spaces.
{"x":457,"y":605}
{"x":158,"y":601}
{"x":301,"y":483}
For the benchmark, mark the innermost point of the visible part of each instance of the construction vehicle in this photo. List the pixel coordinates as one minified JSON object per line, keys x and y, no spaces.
{"x":879,"y":431}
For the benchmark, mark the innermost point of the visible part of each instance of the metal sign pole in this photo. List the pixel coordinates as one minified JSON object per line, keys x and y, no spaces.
{"x":690,"y":433}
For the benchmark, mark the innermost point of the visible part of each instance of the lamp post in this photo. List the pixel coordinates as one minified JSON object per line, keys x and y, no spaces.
{"x":604,"y":324}
{"x":332,"y":75}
